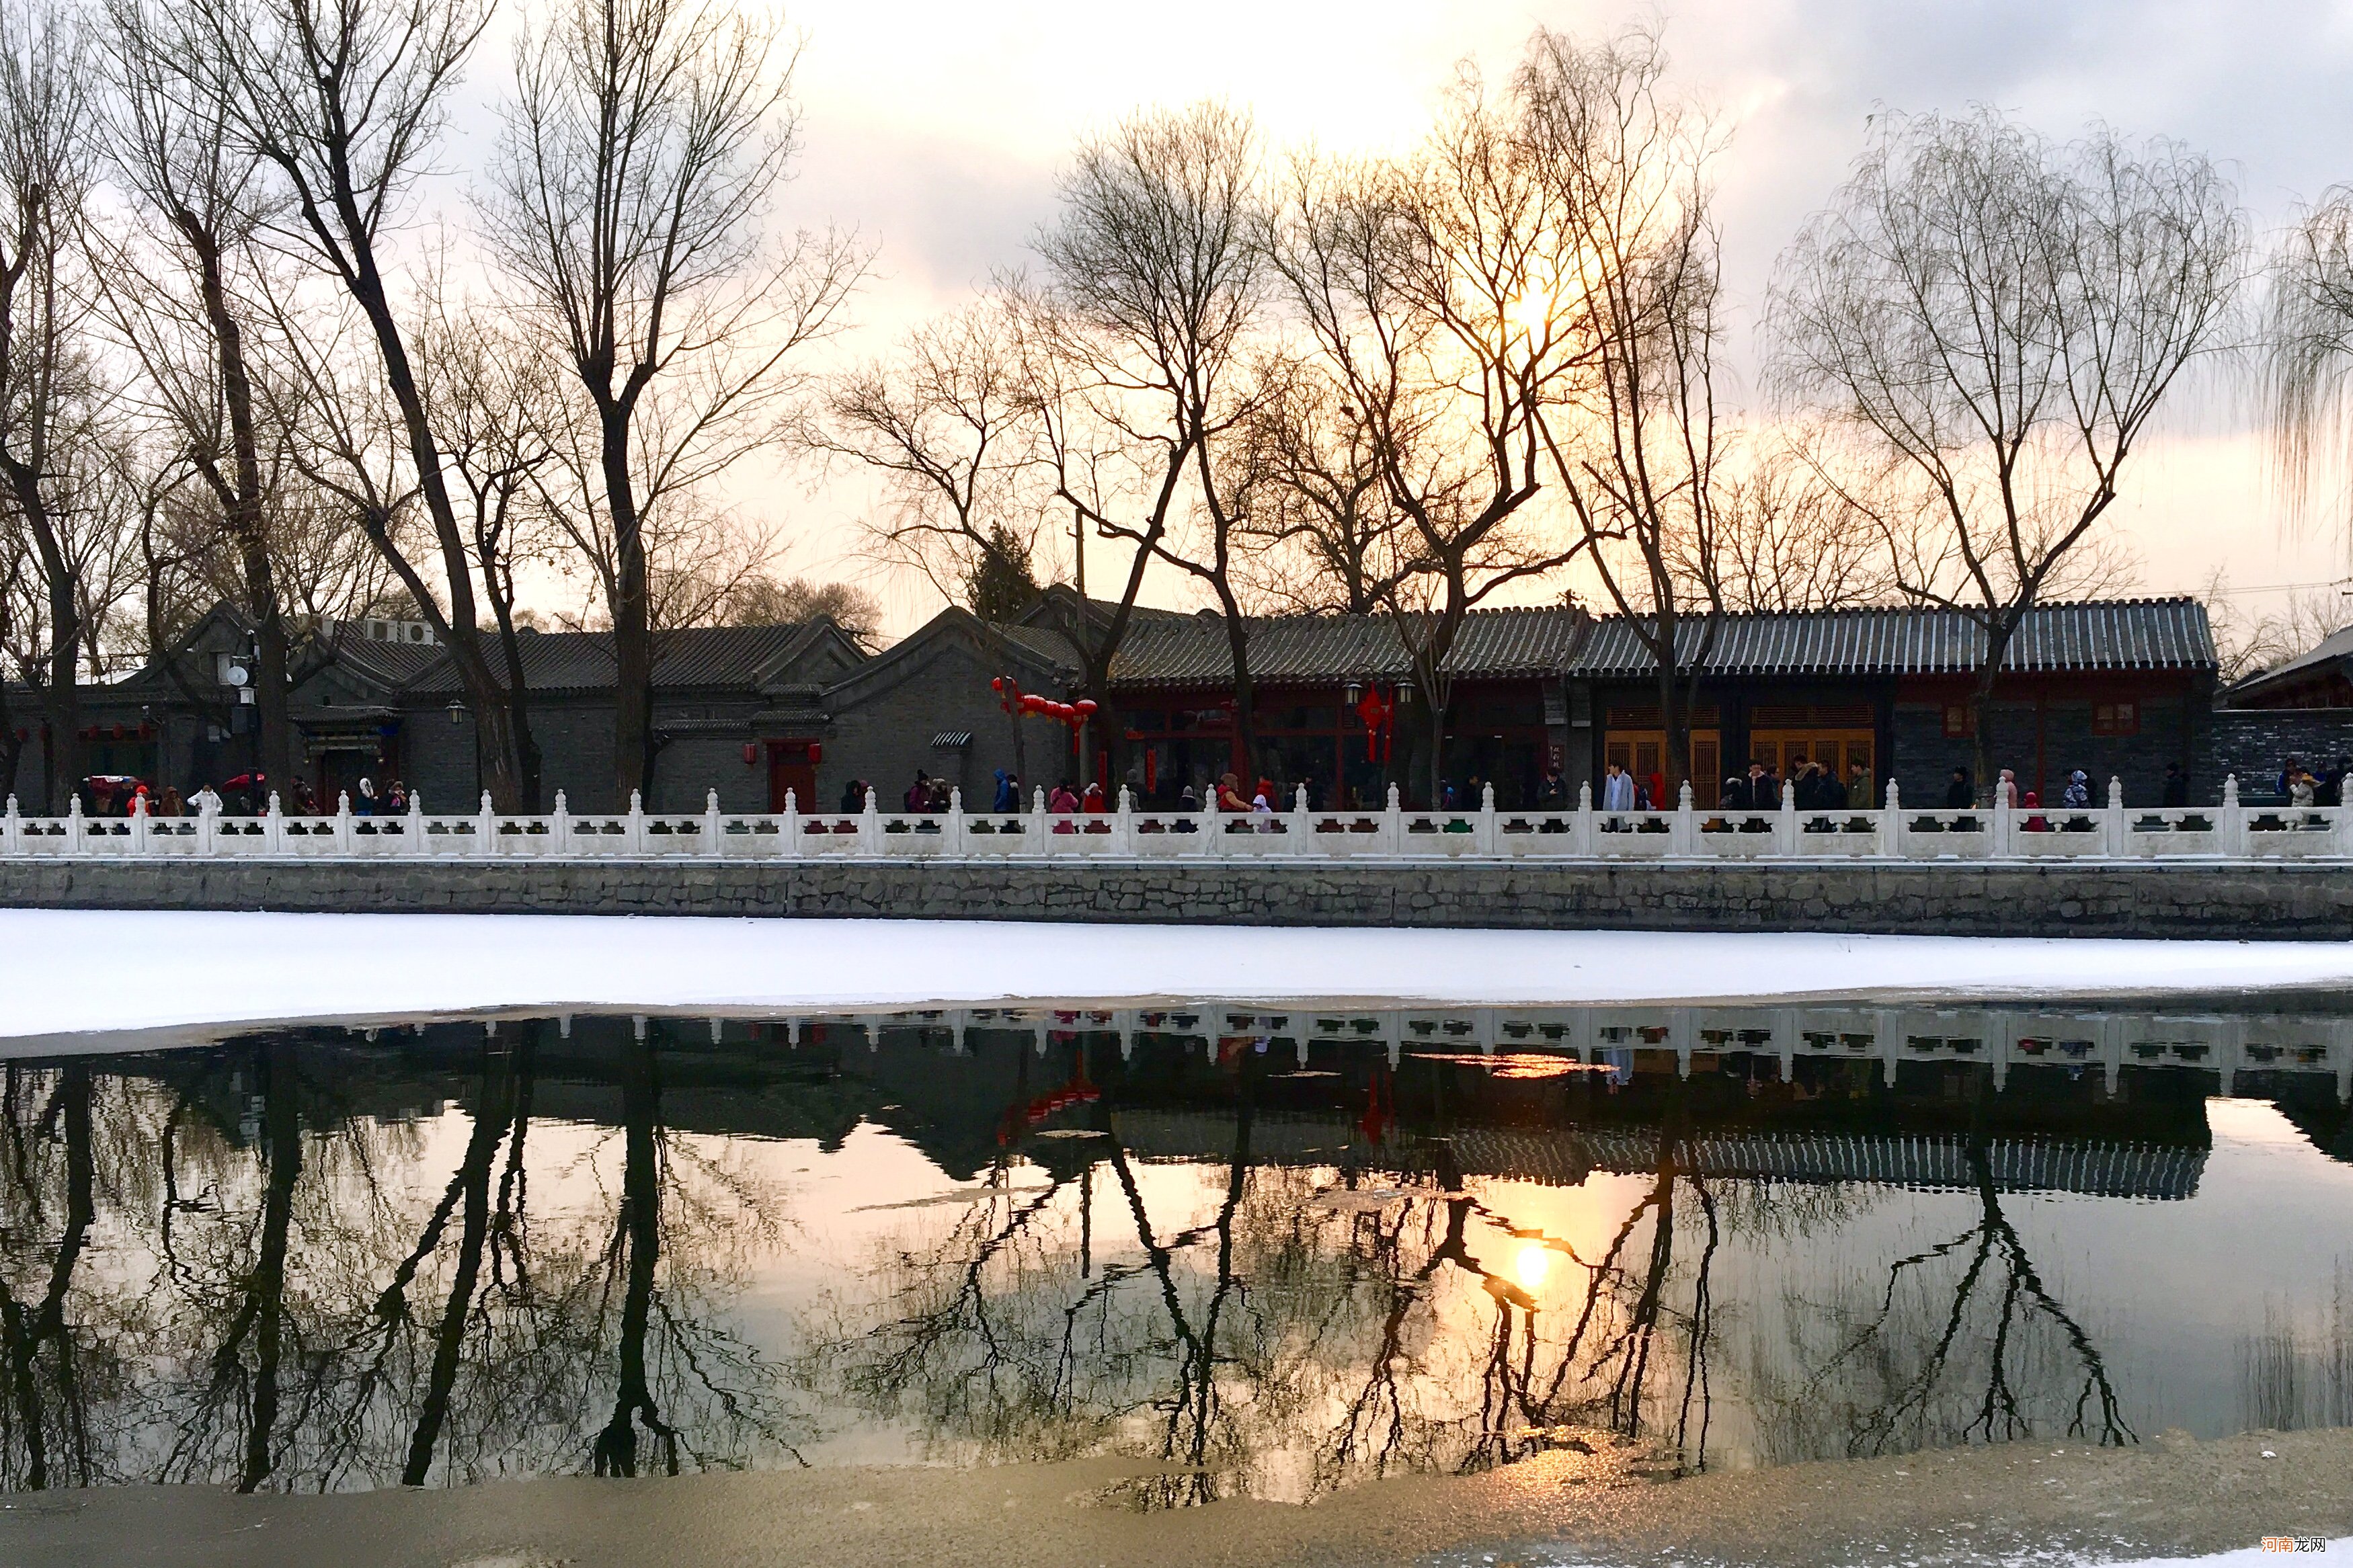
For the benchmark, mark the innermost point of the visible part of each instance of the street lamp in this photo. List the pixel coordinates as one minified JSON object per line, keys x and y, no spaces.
{"x":457,"y":712}
{"x":1356,"y":692}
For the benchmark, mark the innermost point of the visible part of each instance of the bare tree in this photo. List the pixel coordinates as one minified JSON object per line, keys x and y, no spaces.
{"x":1993,"y":321}
{"x":182,"y":310}
{"x":1323,"y":537}
{"x":640,"y":158}
{"x":1140,"y":370}
{"x":1787,"y":542}
{"x":1632,"y":276}
{"x":760,"y":600}
{"x":947,"y":424}
{"x":486,"y":391}
{"x":50,"y":386}
{"x":1430,"y":290}
{"x":2248,"y":644}
{"x":342,"y":100}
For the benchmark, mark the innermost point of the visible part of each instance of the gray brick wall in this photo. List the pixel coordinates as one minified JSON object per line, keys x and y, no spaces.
{"x":2171,"y":730}
{"x":2185,"y":901}
{"x":884,"y":738}
{"x":2256,"y":743}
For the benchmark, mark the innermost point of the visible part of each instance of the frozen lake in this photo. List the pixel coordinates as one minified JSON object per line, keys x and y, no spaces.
{"x":309,"y":1259}
{"x":319,"y":1203}
{"x":74,"y":972}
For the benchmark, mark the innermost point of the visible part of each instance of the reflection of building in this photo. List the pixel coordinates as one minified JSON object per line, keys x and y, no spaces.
{"x":1565,"y":1157}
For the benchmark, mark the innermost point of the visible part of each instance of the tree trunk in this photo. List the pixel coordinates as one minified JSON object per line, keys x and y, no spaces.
{"x":633,"y":668}
{"x":61,"y":694}
{"x":493,"y":1115}
{"x":242,"y":511}
{"x":528,"y":783}
{"x":485,"y":692}
{"x":1245,"y":741}
{"x":282,"y":1127}
{"x":639,"y":1246}
{"x":1981,"y":761}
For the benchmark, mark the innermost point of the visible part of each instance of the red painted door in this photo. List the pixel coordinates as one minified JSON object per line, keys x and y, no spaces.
{"x":791,"y":766}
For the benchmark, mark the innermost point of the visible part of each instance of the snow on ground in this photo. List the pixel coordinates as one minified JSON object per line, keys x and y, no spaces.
{"x":2245,"y":1557}
{"x":64,"y":972}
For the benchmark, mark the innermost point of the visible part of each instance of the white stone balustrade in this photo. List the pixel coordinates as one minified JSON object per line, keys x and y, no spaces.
{"x":1689,"y":832}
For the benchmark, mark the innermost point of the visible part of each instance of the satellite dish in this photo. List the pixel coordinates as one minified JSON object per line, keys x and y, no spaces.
{"x":236,"y":674}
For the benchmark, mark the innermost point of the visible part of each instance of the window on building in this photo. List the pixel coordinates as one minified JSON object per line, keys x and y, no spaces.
{"x":2116,"y":719}
{"x":1960,"y":720}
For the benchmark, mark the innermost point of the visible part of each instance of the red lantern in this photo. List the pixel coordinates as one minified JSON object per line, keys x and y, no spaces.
{"x":751,"y":754}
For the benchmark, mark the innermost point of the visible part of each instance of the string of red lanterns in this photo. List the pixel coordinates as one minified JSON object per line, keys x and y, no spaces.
{"x":1012,"y":698}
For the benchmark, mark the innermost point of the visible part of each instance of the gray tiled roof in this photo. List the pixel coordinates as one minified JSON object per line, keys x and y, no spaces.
{"x":583,"y":661}
{"x":1191,"y":650}
{"x":2116,"y":633}
{"x":2324,"y":655}
{"x":386,"y":664}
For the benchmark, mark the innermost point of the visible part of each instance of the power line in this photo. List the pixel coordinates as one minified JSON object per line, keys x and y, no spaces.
{"x":2337,"y":583}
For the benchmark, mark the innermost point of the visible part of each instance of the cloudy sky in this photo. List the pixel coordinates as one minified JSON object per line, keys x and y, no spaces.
{"x":937,"y":129}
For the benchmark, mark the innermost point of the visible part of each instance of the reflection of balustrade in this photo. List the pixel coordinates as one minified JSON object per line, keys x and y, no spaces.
{"x":2003,"y":832}
{"x":1623,"y":1038}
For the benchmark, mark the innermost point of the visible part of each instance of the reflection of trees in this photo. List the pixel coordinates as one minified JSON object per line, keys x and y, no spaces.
{"x":1960,"y":1341}
{"x":1370,"y":1337}
{"x":237,"y":1278}
{"x":45,"y":1407}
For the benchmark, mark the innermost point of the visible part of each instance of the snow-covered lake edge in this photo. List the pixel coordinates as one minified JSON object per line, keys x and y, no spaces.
{"x":109,"y":975}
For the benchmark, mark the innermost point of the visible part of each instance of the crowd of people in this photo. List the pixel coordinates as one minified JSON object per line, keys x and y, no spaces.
{"x":244,"y":795}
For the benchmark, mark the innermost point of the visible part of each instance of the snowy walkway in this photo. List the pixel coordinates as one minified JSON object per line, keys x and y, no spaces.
{"x":73,"y":971}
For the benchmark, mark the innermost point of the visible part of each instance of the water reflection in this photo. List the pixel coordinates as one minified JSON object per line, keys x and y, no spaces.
{"x":1276,"y":1263}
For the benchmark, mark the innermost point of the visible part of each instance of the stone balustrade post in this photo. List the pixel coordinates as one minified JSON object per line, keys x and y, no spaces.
{"x":486,"y":827}
{"x":1785,"y":826}
{"x":952,"y":842}
{"x":2005,"y":820}
{"x":1486,"y":836}
{"x":12,"y":830}
{"x":207,"y":820}
{"x":1684,"y":838}
{"x":791,"y":827}
{"x":1123,"y":823}
{"x":869,"y":826}
{"x":139,"y":832}
{"x":2231,"y":822}
{"x":1213,"y":824}
{"x":1580,"y":832}
{"x":1891,"y":825}
{"x":2118,"y":833}
{"x":415,"y":834}
{"x":1393,"y":825}
{"x":343,"y":822}
{"x":714,"y":826}
{"x":559,"y":828}
{"x":273,"y":827}
{"x":634,"y":837}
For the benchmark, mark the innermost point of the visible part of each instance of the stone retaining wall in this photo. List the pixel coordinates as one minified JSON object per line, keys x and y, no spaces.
{"x":2271,"y":901}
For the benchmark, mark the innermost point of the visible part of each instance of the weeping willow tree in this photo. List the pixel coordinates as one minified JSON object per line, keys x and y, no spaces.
{"x":2307,"y":357}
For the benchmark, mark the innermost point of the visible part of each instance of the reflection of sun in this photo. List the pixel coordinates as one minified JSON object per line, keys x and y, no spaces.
{"x":1531,"y":1267}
